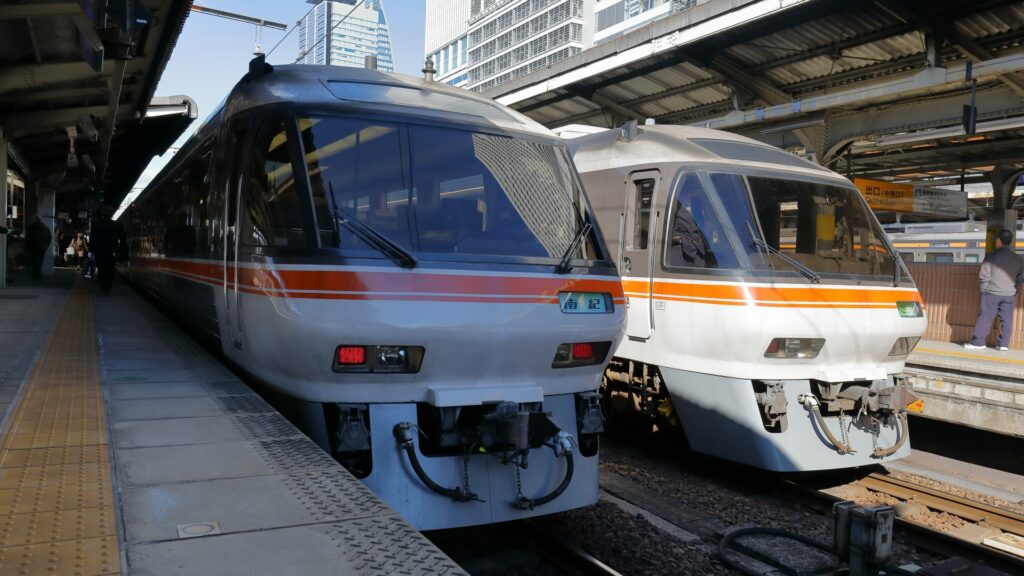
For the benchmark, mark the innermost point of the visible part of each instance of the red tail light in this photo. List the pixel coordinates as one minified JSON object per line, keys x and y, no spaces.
{"x":580,"y":354}
{"x":378,"y":359}
{"x":351,"y":355}
{"x":582,"y":351}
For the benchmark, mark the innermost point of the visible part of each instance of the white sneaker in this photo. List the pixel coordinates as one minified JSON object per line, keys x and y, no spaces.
{"x":970,"y":346}
{"x":1003,"y":349}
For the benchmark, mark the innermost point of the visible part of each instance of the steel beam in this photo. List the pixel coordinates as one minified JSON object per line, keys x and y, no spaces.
{"x":906,"y":86}
{"x":29,"y":122}
{"x":38,"y":10}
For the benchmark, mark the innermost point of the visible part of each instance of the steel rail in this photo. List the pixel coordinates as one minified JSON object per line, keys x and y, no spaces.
{"x":920,"y":534}
{"x":971,"y":510}
{"x":567,"y":555}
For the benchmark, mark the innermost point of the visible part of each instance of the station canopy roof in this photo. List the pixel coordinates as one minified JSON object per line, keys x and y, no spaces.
{"x":882,"y":79}
{"x":83,"y":73}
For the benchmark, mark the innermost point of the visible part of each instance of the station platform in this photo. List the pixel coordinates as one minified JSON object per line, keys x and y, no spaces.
{"x":128,"y":449}
{"x":979,"y":388}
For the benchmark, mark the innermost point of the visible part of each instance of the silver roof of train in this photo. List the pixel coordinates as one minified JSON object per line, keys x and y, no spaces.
{"x":670,"y":143}
{"x":371,"y":91}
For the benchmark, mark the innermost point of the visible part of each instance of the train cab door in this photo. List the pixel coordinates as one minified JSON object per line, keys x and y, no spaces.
{"x":232,"y":206}
{"x":637,"y":247}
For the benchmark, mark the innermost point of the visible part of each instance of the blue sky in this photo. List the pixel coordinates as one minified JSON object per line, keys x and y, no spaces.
{"x":213,"y":53}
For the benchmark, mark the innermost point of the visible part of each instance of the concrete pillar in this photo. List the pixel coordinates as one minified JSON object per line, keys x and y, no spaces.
{"x":1001,"y":216}
{"x":47,"y":210}
{"x":3,"y":203}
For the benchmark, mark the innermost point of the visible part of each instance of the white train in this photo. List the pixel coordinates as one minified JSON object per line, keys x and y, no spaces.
{"x":414,"y":267}
{"x":764,"y":302}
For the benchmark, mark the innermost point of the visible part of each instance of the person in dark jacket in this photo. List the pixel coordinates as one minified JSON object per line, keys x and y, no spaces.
{"x":1001,"y":275}
{"x":107,"y":239}
{"x":37,"y":242}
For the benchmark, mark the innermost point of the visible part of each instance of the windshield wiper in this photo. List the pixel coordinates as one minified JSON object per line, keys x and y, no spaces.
{"x":367,"y":234}
{"x":807,"y":272}
{"x":566,"y":264}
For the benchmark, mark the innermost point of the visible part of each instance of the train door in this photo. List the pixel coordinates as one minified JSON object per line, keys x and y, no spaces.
{"x":637,"y":246}
{"x":232,"y":207}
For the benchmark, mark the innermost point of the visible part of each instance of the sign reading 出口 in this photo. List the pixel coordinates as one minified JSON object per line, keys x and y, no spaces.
{"x":885,"y":196}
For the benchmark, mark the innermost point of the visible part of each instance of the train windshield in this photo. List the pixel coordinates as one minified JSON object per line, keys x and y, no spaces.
{"x":759,"y":224}
{"x":442,"y":191}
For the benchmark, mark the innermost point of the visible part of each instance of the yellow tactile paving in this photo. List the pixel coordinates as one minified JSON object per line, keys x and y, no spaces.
{"x":985,"y":357}
{"x":56,"y":503}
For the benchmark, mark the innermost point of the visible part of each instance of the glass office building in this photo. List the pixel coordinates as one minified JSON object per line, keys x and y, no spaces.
{"x":354,"y":29}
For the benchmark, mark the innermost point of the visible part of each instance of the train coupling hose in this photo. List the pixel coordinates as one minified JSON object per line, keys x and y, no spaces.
{"x":810,"y":402}
{"x":562,"y":445}
{"x":902,"y":433}
{"x":404,"y":435}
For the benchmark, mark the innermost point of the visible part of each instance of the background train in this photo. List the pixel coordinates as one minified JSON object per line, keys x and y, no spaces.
{"x":765,"y":304}
{"x":414,"y":267}
{"x":943,"y":242}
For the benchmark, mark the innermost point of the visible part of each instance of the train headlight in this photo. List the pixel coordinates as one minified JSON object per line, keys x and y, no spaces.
{"x":903,"y":345}
{"x":794,"y":348}
{"x":379,"y":359}
{"x":580,"y":354}
{"x":910,"y":309}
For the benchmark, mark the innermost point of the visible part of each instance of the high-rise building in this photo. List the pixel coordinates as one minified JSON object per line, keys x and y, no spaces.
{"x":511,"y":38}
{"x":354,"y":29}
{"x":446,"y":41}
{"x":615,"y":17}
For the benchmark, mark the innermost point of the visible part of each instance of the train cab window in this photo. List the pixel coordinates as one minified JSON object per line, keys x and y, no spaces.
{"x":644,"y":193}
{"x":825,"y":228}
{"x":698,"y":238}
{"x":356,"y":170}
{"x":273,"y":213}
{"x":491,"y":195}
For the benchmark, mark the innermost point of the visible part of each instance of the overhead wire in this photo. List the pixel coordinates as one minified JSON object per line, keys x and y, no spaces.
{"x":290,"y":31}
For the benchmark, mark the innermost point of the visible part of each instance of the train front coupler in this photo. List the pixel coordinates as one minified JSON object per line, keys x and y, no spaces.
{"x":875,"y":402}
{"x":513,"y":432}
{"x":507,"y":431}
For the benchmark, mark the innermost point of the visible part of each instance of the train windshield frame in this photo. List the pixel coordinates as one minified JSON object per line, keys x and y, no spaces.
{"x":443,"y":191}
{"x":728,"y":222}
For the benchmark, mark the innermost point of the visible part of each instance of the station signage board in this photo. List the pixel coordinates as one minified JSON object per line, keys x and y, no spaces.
{"x":885,"y":196}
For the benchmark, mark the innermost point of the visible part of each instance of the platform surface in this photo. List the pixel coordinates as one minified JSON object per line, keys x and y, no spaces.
{"x":987,"y":361}
{"x":132,"y":450}
{"x":979,"y":388}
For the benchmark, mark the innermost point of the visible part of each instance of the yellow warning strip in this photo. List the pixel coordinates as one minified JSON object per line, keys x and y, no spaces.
{"x":985,"y":357}
{"x":56,"y":497}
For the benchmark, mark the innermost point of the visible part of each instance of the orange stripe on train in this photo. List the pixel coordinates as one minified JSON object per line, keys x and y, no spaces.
{"x":799,"y":297}
{"x":449,"y":287}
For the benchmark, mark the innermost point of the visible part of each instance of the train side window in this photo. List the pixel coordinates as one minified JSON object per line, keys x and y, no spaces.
{"x":698,"y":239}
{"x":644,"y":192}
{"x":972,"y":258}
{"x":939,"y":257}
{"x":907,"y":256}
{"x":274,"y":215}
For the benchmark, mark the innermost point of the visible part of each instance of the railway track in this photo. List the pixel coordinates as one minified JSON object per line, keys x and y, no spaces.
{"x":517,"y":548}
{"x":935,"y":519}
{"x":568,"y":556}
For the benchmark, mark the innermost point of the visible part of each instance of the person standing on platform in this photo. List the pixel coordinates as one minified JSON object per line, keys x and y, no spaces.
{"x":37,"y":242}
{"x":1002,"y":273}
{"x":79,"y":249}
{"x":107,"y":238}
